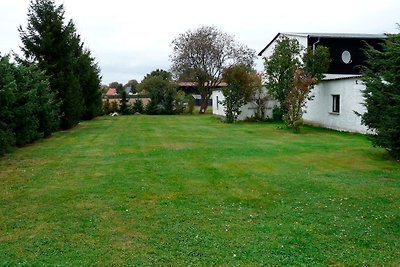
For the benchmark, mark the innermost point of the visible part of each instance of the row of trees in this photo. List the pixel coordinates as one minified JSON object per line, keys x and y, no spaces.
{"x":55,"y":83}
{"x":162,"y":91}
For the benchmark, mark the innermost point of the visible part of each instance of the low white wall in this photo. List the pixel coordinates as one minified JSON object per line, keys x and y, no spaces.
{"x":248,"y":110}
{"x":319,"y":109}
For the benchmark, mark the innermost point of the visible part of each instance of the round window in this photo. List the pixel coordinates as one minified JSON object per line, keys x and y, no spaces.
{"x":346,"y":57}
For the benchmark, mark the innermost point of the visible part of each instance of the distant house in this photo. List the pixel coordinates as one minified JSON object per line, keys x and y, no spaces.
{"x":339,"y":96}
{"x":111,"y":92}
{"x":191,"y":88}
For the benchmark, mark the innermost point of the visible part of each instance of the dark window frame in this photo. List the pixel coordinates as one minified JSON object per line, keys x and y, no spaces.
{"x":335,"y":103}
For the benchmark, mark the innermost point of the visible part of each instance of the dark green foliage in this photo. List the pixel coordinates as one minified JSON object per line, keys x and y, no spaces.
{"x":169,"y":100}
{"x":47,"y":109}
{"x":120,"y":89}
{"x":152,"y":108}
{"x":165,"y":75}
{"x":58,"y":50}
{"x":123,"y":107}
{"x":291,"y":72}
{"x":191,"y":104}
{"x":180,"y":101}
{"x":138,"y":107}
{"x":28,"y":108}
{"x":114,"y":85}
{"x":280,"y":67}
{"x":8,"y":96}
{"x":89,"y":77}
{"x":161,"y":91}
{"x":316,"y":63}
{"x":242,"y":84}
{"x":382,"y":95}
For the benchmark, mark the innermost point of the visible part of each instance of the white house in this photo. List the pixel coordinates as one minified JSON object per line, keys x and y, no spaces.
{"x":338,"y":98}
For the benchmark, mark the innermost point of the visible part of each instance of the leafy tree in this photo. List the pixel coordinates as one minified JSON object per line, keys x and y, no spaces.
{"x":180,"y":98}
{"x":382,"y":94}
{"x":165,"y":75}
{"x":291,"y":72}
{"x":280,"y":67}
{"x":113,"y":85}
{"x":242,"y":83}
{"x":132,"y":84}
{"x":161,"y":91}
{"x":54,"y":45}
{"x":202,"y":55}
{"x":120,"y":89}
{"x":190,"y":104}
{"x":295,"y":99}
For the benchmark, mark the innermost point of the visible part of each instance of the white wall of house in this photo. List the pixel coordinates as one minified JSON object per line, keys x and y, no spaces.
{"x":319,"y":110}
{"x":248,"y":110}
{"x":302,"y":39}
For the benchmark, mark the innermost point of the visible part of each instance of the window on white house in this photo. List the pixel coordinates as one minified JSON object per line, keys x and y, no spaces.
{"x":335,"y":103}
{"x":217,"y":103}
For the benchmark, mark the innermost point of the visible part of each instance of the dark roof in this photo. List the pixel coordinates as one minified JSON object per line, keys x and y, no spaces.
{"x":194,"y":84}
{"x":333,"y":77}
{"x":327,"y":35}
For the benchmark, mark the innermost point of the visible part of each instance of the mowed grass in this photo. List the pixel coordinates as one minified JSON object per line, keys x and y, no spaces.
{"x":191,"y":190}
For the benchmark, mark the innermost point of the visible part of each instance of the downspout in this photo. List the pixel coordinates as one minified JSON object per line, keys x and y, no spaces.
{"x":314,"y":44}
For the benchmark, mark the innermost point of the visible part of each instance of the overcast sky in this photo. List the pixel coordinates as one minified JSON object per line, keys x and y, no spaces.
{"x":131,"y":38}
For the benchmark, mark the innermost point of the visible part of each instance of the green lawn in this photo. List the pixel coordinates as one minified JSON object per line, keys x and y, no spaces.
{"x":191,"y":190}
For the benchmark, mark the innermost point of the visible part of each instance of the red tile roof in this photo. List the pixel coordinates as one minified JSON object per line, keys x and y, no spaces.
{"x":112,"y":91}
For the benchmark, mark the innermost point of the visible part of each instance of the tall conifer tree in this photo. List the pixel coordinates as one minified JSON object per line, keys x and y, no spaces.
{"x":58,"y":50}
{"x":382,"y":94}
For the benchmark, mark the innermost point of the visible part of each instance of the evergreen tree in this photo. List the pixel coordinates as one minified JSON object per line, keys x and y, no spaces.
{"x":138,"y":105}
{"x":8,"y":88}
{"x":382,"y":94}
{"x":56,"y":47}
{"x":123,"y":108}
{"x":89,"y":76}
{"x":26,"y":124}
{"x":29,"y":109}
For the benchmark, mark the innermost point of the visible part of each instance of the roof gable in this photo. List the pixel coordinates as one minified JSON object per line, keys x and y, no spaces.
{"x":324,"y":35}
